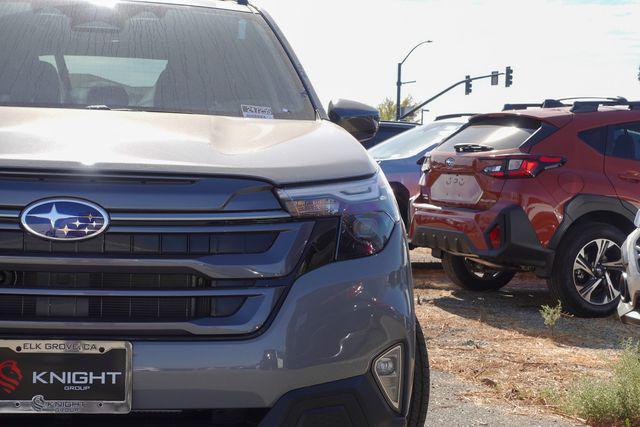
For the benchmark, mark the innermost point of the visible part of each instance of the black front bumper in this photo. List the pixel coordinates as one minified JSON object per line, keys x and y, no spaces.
{"x":353,"y":402}
{"x":520,"y":246}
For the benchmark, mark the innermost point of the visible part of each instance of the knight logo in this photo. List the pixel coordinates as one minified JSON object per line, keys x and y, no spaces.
{"x":10,"y":376}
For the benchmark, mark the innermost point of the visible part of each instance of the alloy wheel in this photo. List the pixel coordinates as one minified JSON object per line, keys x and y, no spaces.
{"x":597,"y":271}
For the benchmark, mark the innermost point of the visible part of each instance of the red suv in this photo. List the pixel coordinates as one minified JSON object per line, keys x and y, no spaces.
{"x":552,"y":190}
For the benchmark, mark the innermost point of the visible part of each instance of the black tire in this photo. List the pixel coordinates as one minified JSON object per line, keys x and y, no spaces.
{"x":459,"y":270}
{"x":421,"y":383}
{"x":564,"y":280}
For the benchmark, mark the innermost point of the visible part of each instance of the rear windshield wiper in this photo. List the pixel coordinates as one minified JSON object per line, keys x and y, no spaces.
{"x":97,"y":107}
{"x":472,"y":148}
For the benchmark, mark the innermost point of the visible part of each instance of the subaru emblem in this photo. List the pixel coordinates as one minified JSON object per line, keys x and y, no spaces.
{"x":64,"y":220}
{"x":450,"y":162}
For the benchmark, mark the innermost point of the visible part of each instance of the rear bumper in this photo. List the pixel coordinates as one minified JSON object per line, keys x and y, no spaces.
{"x":464,"y":232}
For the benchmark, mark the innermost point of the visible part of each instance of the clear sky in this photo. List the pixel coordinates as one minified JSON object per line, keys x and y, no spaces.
{"x":558,"y":48}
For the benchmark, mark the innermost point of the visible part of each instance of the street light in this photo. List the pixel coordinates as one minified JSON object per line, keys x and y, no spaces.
{"x":400,"y":83}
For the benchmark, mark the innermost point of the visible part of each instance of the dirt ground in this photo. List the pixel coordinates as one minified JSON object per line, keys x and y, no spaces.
{"x":499,"y":343}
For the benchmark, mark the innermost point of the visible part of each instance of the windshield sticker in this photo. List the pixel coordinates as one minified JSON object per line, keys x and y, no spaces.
{"x":242,"y":29}
{"x":255,"y":112}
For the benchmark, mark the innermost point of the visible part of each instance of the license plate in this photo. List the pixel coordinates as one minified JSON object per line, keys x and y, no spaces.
{"x":456,"y":189}
{"x":65,"y":377}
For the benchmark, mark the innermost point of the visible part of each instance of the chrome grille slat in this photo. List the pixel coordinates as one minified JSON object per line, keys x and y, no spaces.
{"x":9,"y":214}
{"x":198,"y":217}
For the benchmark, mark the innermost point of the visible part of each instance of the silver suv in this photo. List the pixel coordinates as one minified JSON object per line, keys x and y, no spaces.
{"x":629,"y":308}
{"x":184,"y":228}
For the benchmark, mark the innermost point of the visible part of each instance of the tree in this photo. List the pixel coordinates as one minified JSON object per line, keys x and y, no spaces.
{"x":388,"y":109}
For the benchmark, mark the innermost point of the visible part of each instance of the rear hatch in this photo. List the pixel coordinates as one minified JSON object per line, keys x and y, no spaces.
{"x":458,"y":171}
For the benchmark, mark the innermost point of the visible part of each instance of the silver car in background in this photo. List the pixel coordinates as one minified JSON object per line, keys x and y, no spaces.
{"x":628,"y":309}
{"x":400,"y":157}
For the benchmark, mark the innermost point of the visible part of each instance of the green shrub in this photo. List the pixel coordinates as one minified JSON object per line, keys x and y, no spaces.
{"x":551,"y":315}
{"x":611,"y":401}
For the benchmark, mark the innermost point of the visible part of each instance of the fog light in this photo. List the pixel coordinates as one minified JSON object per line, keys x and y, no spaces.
{"x":388,"y":371}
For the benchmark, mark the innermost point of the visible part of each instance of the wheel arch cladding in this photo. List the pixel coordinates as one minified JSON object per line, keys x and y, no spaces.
{"x":588,"y":207}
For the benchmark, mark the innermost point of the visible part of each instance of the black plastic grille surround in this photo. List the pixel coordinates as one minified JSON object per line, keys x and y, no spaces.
{"x":151,"y":244}
{"x":116,"y":309}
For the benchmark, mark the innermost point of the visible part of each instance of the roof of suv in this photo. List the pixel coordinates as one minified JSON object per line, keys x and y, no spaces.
{"x":561,"y":116}
{"x":218,"y":4}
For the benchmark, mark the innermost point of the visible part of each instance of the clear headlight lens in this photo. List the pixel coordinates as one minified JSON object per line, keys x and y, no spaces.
{"x":367,"y":209}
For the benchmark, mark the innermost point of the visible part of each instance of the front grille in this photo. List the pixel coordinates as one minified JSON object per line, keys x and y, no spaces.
{"x":155,"y":279}
{"x":115,"y":309}
{"x":147,"y":244}
{"x":192,"y":256}
{"x":66,"y":280}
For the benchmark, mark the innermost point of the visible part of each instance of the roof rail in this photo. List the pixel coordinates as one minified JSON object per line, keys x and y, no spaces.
{"x":594,"y":98}
{"x":547,"y":103}
{"x":593,"y":106}
{"x":454,"y":116}
{"x":579,"y":106}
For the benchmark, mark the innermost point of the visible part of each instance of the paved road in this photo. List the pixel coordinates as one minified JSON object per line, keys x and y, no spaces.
{"x":448,"y":408}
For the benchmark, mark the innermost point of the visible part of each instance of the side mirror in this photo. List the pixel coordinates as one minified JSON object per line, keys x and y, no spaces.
{"x":637,"y":222}
{"x":360,"y":120}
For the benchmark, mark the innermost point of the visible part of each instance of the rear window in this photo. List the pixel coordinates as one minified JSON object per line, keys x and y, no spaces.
{"x":414,"y":141}
{"x":144,"y":56}
{"x":499,"y":133}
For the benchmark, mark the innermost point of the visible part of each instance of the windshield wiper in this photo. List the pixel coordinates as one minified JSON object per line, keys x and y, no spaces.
{"x":97,"y":107}
{"x":472,"y":148}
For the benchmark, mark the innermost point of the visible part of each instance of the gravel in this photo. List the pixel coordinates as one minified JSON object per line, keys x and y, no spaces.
{"x":448,"y":406}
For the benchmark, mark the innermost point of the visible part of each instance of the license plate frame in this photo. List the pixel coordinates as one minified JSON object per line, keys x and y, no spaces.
{"x":456,"y":188}
{"x":26,"y":355}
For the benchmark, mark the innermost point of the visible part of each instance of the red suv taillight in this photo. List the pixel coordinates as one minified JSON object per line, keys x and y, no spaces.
{"x":523,"y":167}
{"x":495,"y":236}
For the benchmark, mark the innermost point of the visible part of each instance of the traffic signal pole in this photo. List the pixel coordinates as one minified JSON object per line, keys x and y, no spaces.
{"x":467,"y":82}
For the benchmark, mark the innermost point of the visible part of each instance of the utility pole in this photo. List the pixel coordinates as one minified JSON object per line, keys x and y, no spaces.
{"x":400,"y":83}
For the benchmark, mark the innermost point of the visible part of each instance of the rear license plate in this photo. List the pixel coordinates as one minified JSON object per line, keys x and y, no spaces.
{"x":456,"y":189}
{"x":65,"y":377}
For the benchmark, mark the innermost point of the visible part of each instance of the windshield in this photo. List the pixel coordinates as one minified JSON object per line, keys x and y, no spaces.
{"x":414,"y":141}
{"x":144,"y":56}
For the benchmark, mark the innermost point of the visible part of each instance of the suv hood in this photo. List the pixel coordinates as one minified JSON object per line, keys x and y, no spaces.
{"x":280,"y":151}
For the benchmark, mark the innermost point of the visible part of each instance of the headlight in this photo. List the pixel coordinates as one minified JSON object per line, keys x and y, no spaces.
{"x":367,"y":209}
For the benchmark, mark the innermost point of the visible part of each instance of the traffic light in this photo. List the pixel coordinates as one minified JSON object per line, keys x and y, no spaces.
{"x":509,"y":77}
{"x":468,"y":86}
{"x":495,"y":78}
